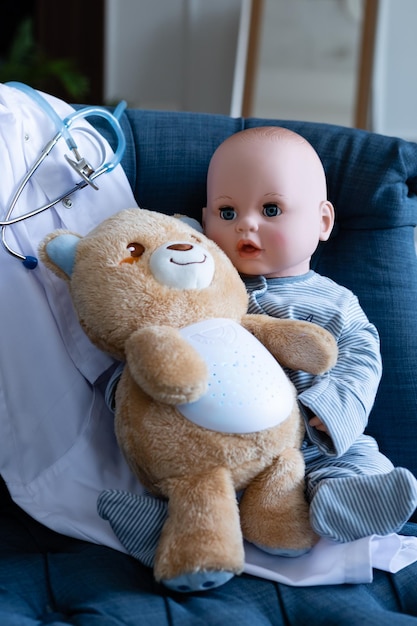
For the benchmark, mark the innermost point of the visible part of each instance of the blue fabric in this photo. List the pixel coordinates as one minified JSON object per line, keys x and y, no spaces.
{"x":48,"y":578}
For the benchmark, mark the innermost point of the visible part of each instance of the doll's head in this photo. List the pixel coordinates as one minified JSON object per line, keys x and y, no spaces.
{"x":267,"y":204}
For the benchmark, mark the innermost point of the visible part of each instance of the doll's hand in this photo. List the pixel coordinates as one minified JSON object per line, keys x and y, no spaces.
{"x":316,"y":423}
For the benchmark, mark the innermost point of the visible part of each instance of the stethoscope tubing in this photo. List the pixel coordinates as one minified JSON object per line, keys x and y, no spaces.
{"x":63,"y":126}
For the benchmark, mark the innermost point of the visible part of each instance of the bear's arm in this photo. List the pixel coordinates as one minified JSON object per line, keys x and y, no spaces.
{"x":295,"y":344}
{"x":165,"y":366}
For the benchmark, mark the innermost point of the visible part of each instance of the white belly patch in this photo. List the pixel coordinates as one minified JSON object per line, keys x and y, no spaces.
{"x":248,"y":390}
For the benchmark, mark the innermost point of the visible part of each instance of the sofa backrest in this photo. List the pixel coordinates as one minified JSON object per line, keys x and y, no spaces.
{"x":372,"y":182}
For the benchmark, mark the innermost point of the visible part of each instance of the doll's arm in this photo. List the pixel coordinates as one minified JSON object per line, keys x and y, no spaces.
{"x":165,"y":366}
{"x":343,"y":398}
{"x":295,"y":344}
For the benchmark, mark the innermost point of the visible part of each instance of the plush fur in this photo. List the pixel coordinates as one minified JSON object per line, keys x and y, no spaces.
{"x":128,"y":312}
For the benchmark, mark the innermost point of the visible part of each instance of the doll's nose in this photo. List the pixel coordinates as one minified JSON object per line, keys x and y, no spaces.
{"x":247,"y":224}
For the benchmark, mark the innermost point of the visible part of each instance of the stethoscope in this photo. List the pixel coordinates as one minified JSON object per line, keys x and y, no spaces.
{"x":87,"y":173}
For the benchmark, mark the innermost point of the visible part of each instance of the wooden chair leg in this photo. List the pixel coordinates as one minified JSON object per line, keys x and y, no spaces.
{"x":366,"y":63}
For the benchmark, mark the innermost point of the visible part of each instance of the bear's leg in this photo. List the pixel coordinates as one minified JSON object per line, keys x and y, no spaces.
{"x":274,"y":511}
{"x":201,"y":543}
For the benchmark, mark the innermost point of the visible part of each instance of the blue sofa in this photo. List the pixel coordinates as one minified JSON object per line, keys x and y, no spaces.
{"x":49,"y":578}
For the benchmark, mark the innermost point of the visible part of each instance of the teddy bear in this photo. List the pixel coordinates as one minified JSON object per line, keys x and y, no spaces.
{"x":204,"y":407}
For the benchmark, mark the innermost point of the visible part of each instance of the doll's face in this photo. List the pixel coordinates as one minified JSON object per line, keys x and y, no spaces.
{"x":266,"y":202}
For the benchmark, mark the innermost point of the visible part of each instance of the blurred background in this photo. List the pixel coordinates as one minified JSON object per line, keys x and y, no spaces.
{"x":348,"y":62}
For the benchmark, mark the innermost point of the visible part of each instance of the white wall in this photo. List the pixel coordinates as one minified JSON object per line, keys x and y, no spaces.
{"x":181,"y":55}
{"x":308,"y":60}
{"x":394,"y":88}
{"x":144,"y":52}
{"x":175,"y":54}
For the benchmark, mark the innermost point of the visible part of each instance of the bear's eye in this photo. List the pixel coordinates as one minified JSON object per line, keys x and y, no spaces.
{"x":136,"y":249}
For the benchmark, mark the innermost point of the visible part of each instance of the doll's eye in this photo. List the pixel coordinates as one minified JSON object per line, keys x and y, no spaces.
{"x":271,"y":210}
{"x":227,"y":213}
{"x":136,"y":249}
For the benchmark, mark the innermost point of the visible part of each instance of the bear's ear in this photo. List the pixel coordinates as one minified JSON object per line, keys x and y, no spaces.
{"x":58,"y":251}
{"x":190,"y":221}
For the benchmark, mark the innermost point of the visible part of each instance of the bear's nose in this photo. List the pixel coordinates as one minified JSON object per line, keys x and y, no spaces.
{"x":180,"y":246}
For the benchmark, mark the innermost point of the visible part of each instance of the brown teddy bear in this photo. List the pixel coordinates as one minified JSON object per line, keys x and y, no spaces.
{"x":203,"y":410}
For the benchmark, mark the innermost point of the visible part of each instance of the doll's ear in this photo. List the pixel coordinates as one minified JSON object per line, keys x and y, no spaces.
{"x":58,"y":252}
{"x":326,"y":220}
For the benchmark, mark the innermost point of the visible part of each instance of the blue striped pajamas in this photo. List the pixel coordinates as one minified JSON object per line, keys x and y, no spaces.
{"x":354,"y":490}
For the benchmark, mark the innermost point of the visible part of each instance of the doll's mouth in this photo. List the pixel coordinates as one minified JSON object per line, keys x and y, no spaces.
{"x":247,"y":249}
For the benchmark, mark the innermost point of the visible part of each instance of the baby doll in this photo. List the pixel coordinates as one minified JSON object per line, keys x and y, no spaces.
{"x":267,"y":208}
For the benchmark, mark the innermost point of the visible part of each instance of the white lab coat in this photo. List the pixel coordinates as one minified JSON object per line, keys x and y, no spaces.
{"x":58,"y":449}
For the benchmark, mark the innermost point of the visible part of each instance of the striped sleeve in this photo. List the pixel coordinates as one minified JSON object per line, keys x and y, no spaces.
{"x":343,"y":397}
